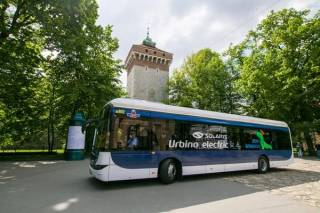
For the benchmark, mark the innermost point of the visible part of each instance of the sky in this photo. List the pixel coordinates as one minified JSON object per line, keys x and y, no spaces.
{"x":183,"y":27}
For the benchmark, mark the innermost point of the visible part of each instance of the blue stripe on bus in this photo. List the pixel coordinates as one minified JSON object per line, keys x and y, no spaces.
{"x":145,"y":159}
{"x":162,"y":115}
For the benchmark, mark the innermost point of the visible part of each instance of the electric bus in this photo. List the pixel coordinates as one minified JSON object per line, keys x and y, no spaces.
{"x":138,"y":139}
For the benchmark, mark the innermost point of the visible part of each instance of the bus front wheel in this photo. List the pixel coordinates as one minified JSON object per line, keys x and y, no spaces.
{"x":263,"y":164}
{"x":168,"y":171}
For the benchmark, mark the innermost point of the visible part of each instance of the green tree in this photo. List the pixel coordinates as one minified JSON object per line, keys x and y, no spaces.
{"x":82,"y":75}
{"x":202,"y":82}
{"x":279,"y":69}
{"x":20,"y":59}
{"x":54,"y":60}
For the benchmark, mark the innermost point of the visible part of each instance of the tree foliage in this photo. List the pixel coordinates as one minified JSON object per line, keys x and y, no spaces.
{"x":54,"y":60}
{"x":279,"y":69}
{"x":202,"y":82}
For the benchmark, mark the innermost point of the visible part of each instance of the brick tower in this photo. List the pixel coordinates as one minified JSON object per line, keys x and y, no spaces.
{"x":148,"y":71}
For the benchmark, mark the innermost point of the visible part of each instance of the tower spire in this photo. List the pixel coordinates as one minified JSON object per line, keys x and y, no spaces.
{"x":148,"y":33}
{"x":148,"y":41}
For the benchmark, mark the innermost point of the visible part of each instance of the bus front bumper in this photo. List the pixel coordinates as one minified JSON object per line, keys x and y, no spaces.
{"x":101,"y":174}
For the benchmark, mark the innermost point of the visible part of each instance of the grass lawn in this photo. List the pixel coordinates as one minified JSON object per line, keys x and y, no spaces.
{"x":60,"y":151}
{"x":31,"y":155}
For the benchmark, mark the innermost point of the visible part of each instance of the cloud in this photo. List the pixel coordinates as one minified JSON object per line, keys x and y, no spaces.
{"x":305,"y":4}
{"x":184,"y":27}
{"x":180,"y":28}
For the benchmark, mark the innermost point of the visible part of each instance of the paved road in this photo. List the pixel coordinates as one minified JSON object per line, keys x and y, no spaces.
{"x":66,"y":187}
{"x":298,"y":181}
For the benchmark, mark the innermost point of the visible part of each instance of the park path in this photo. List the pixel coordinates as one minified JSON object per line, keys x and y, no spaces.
{"x":298,"y":181}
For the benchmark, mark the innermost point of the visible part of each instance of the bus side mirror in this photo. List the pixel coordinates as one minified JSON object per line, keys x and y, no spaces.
{"x":88,"y":123}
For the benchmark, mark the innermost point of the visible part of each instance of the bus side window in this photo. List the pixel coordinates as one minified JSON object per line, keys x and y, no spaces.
{"x":234,"y":142}
{"x":168,"y":134}
{"x":153,"y":134}
{"x":130,"y":134}
{"x":160,"y":133}
{"x":142,"y":136}
{"x":283,"y":140}
{"x":274,"y":140}
{"x":268,"y":137}
{"x":249,"y":140}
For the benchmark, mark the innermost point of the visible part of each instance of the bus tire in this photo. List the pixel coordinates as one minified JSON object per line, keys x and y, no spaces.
{"x":168,"y":171}
{"x":263,"y":165}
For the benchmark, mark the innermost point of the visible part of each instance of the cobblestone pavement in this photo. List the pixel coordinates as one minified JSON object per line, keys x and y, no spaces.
{"x":299,"y":181}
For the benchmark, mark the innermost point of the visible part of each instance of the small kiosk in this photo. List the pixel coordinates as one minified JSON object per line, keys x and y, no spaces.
{"x":76,"y":139}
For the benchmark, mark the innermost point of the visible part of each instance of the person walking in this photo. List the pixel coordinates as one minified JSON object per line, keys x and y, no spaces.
{"x":299,"y":149}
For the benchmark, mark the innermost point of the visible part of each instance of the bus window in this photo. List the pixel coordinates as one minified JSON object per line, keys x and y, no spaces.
{"x":256,"y":139}
{"x":132,"y":134}
{"x":141,"y":134}
{"x":195,"y":136}
{"x":250,"y":139}
{"x":281,"y":140}
{"x":234,"y":138}
{"x":162,"y":131}
{"x":103,"y":133}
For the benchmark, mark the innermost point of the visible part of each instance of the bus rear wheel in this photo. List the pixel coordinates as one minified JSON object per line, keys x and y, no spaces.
{"x":168,"y":171}
{"x":263,"y":165}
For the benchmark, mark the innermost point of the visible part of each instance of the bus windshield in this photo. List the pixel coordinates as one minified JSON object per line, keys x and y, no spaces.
{"x":101,"y":142}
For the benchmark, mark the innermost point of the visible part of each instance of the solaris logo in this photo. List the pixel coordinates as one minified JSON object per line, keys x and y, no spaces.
{"x":197,"y":135}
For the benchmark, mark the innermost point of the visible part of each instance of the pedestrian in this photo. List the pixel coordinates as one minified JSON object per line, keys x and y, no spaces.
{"x":299,"y":149}
{"x":318,"y":149}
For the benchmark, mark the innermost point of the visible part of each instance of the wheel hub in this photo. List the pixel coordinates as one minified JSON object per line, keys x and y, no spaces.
{"x":263,"y":165}
{"x":171,"y":170}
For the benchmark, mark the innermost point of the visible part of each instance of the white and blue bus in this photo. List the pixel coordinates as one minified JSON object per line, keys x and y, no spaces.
{"x":137,"y":139}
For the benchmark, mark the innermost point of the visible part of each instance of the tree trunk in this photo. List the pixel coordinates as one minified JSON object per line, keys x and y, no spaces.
{"x":51,"y":134}
{"x":50,"y":130}
{"x":48,"y":141}
{"x":52,"y":139}
{"x":309,"y":141}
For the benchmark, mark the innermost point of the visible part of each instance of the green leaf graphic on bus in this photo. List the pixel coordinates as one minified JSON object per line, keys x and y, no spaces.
{"x":263,"y":143}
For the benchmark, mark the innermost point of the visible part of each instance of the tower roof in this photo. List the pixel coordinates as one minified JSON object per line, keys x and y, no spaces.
{"x":148,"y":41}
{"x":147,"y":54}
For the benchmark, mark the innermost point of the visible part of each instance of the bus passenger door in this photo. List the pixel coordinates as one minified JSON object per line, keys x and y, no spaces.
{"x":135,"y":159}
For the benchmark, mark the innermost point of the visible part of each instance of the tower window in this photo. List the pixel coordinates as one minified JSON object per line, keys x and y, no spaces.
{"x":146,"y":50}
{"x":155,"y":52}
{"x":164,"y":54}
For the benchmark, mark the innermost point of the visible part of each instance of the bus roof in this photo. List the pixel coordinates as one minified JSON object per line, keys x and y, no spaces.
{"x":164,"y":108}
